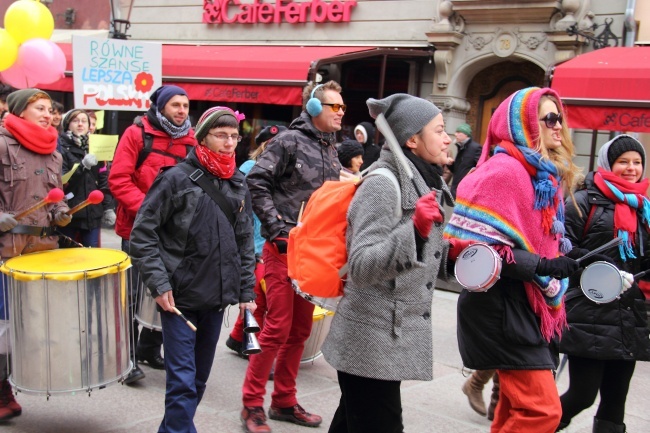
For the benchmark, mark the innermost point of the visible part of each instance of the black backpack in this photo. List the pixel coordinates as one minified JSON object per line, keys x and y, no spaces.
{"x":147,"y":139}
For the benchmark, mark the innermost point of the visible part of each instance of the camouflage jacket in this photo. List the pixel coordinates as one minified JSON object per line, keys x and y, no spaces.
{"x":294,"y":164}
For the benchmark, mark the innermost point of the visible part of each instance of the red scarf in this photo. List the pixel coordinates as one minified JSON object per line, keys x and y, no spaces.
{"x":32,"y":135}
{"x":625,"y":215}
{"x":219,"y":164}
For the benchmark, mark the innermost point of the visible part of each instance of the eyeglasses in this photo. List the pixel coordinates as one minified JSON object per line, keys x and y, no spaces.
{"x":551,"y":119}
{"x":337,"y":107}
{"x":224,"y":137}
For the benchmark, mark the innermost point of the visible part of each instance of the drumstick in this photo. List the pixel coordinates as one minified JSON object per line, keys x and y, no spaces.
{"x":95,"y":197}
{"x":55,"y":195}
{"x":614,"y":242}
{"x":640,"y":274}
{"x":190,"y":324}
{"x":395,"y":147}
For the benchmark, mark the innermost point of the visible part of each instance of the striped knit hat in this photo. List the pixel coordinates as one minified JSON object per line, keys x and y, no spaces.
{"x":210,"y":117}
{"x":516,"y":119}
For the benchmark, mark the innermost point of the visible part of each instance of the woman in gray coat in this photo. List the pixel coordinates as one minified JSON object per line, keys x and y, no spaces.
{"x":381,"y":333}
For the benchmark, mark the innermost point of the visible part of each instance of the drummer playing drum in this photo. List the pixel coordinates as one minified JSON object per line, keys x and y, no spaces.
{"x":28,"y":149}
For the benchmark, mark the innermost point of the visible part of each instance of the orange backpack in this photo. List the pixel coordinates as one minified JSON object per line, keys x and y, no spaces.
{"x":317,"y":255}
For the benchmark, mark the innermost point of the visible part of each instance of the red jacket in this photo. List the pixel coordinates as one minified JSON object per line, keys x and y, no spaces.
{"x":129,"y":185}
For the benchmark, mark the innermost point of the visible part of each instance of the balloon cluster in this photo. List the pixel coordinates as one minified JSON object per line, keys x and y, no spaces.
{"x":28,"y":56}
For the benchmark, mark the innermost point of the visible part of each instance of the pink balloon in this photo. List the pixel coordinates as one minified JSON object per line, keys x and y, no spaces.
{"x":16,"y":77}
{"x":41,"y":60}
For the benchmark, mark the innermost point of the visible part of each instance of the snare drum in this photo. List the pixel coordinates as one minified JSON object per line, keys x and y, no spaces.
{"x":326,"y":303}
{"x":69,"y":319}
{"x":147,"y":314}
{"x":320,"y":327}
{"x":601,"y":282}
{"x":478,"y":267}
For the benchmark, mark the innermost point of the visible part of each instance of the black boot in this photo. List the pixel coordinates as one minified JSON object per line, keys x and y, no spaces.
{"x":562,"y":426}
{"x":602,"y":426}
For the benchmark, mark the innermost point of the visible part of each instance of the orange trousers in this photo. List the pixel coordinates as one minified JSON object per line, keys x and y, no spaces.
{"x":528,"y":402}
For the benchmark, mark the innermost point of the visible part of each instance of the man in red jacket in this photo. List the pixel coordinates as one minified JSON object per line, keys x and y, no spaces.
{"x":166,"y":131}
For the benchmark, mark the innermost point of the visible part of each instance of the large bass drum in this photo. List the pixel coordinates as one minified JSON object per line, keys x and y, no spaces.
{"x":68,"y":319}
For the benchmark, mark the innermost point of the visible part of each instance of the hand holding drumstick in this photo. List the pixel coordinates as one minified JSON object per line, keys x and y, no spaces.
{"x":166,"y":302}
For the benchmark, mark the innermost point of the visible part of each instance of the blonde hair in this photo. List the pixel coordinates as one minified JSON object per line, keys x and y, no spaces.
{"x":562,"y":157}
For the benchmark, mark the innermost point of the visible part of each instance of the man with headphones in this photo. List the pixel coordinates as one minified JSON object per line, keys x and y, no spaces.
{"x":294,"y":164}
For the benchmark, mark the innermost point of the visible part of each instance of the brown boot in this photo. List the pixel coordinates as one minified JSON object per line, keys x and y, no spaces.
{"x":494,"y":398}
{"x":473,"y":389}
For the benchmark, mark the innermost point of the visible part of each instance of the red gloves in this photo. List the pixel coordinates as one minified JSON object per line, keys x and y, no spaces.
{"x":456,"y":246}
{"x":426,"y":213}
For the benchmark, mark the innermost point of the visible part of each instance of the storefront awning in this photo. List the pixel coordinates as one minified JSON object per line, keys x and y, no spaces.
{"x":606,"y":89}
{"x":253,"y":74}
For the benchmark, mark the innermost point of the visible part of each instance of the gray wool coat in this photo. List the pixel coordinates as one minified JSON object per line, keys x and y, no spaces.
{"x":382,"y":326}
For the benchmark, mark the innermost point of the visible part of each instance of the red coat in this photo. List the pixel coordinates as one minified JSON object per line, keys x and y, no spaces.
{"x":129,"y":185}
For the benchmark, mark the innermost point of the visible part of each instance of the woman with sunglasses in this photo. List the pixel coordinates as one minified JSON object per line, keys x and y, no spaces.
{"x":513,"y":201}
{"x":604,"y":341}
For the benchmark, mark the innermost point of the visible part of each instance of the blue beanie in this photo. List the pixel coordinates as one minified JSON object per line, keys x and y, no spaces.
{"x":163,"y":94}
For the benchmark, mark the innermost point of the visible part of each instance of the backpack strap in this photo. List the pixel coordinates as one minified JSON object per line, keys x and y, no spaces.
{"x":381,"y":171}
{"x":147,"y":148}
{"x":590,"y":218}
{"x":197,"y":176}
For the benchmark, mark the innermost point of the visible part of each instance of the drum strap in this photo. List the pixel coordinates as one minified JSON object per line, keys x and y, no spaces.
{"x":197,"y":176}
{"x":33,"y":231}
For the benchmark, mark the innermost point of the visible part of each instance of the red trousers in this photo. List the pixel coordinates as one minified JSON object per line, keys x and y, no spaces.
{"x":528,"y":402}
{"x":286,"y":328}
{"x":237,"y":332}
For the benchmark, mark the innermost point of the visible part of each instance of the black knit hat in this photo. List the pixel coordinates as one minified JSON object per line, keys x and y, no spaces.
{"x":348,"y":150}
{"x":268,"y":133}
{"x":622,"y":144}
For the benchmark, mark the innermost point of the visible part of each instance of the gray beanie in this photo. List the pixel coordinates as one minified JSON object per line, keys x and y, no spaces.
{"x":406,"y":114}
{"x":617,"y":146}
{"x":17,"y":101}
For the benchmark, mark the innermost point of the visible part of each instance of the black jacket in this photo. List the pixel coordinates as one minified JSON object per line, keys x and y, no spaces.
{"x":293,"y":165}
{"x":498,"y":329}
{"x":371,"y":150}
{"x":82,"y":183}
{"x":619,"y":329}
{"x":182,"y":241}
{"x":466,"y":159}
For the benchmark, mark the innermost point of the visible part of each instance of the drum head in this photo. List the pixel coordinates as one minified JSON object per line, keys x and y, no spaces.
{"x":601,"y":282}
{"x":67,"y":264}
{"x":476,"y":266}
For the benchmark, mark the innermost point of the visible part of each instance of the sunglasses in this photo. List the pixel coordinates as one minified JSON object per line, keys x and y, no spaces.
{"x":551,"y":119}
{"x":337,"y":107}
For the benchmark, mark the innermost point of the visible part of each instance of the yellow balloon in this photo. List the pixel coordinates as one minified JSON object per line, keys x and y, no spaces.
{"x":28,"y":19}
{"x":9,"y":50}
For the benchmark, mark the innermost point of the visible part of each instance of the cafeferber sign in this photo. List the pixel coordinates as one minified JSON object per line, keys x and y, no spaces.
{"x":258,"y":12}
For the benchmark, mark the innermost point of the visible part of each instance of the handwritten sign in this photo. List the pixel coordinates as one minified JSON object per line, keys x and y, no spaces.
{"x":114,"y":74}
{"x":66,"y":177}
{"x":102,"y":146}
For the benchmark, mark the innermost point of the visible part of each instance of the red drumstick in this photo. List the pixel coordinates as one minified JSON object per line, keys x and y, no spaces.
{"x":55,"y":195}
{"x":95,"y":197}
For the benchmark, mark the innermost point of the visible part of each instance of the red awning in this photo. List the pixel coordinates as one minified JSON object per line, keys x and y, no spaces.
{"x":607,"y":89}
{"x":254,"y":74}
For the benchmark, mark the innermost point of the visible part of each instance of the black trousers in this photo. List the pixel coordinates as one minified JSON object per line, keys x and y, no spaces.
{"x":368,"y":406}
{"x":587,"y":377}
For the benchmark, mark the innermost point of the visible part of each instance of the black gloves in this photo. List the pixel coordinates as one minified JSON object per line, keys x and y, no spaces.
{"x":576,"y":253}
{"x":281,"y":241}
{"x":559,"y":267}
